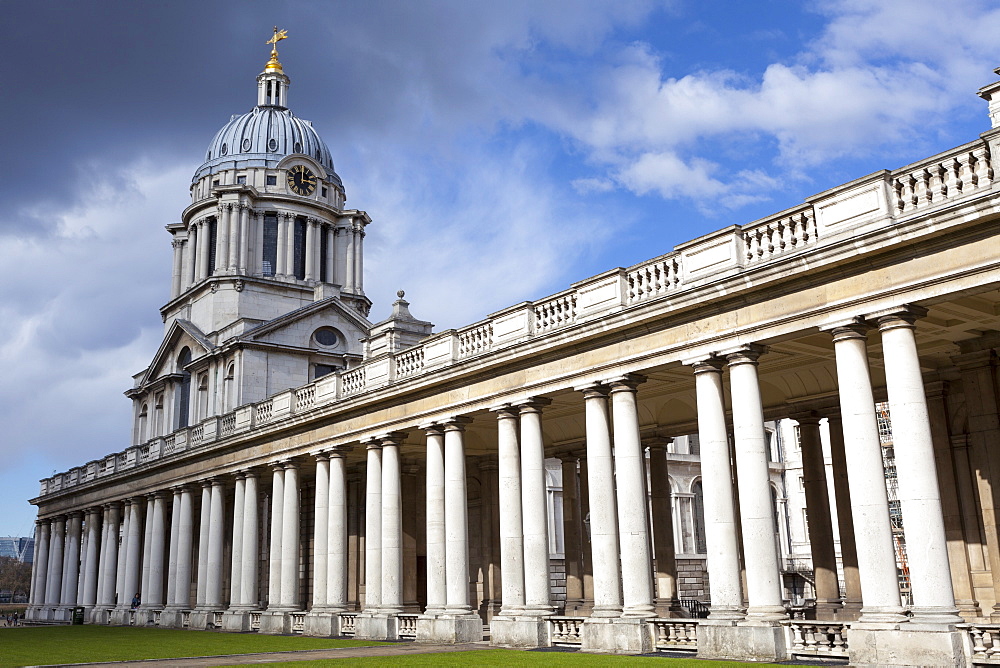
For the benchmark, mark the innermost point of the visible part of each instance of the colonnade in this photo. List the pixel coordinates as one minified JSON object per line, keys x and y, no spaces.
{"x":333,"y":252}
{"x":629,"y":523}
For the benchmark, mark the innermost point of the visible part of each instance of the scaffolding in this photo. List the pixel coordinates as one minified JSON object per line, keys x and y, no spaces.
{"x":892,"y":491}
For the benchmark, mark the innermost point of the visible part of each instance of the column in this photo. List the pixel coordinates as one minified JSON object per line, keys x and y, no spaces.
{"x":869,"y":503}
{"x":53,"y":586}
{"x":204,"y":248}
{"x":155,"y":597}
{"x":456,"y":518}
{"x":533,"y":506}
{"x":234,"y":237}
{"x":290,"y":539}
{"x":511,"y":537}
{"x":175,"y":525}
{"x":756,"y":512}
{"x":175,"y":282}
{"x":359,"y":260}
{"x":434,"y":500}
{"x":281,"y":255}
{"x":147,"y":546}
{"x":571,"y":533}
{"x":490,"y":535}
{"x":340,"y":256}
{"x":663,"y":529}
{"x":122,"y":597}
{"x":236,"y":556}
{"x":71,"y":569}
{"x":824,"y":556}
{"x":244,"y":256}
{"x":41,"y":566}
{"x":204,"y":531}
{"x":185,"y":538}
{"x":216,"y":544}
{"x":274,"y":554}
{"x":311,"y":246}
{"x":290,"y":246}
{"x":133,"y":555}
{"x":91,"y":559}
{"x":248,"y":574}
{"x":588,"y":566}
{"x":410,"y":469}
{"x":351,"y":273}
{"x":373,"y":528}
{"x":109,"y":568}
{"x":321,"y":531}
{"x":717,"y":485}
{"x":337,"y":553}
{"x":191,"y":257}
{"x":330,"y":254}
{"x":845,"y":520}
{"x":392,"y":527}
{"x":919,"y":495}
{"x":602,"y":503}
{"x":222,"y":238}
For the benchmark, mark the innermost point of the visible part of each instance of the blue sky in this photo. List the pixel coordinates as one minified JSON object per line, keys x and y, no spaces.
{"x":504,"y":151}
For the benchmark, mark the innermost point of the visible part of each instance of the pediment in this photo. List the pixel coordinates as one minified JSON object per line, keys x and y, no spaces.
{"x":180,"y":334}
{"x":296,"y":328}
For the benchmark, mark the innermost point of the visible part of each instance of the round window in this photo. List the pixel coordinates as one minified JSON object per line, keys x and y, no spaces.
{"x":327,"y":336}
{"x":298,"y":147}
{"x":272,"y":145}
{"x":225,"y":149}
{"x":246,"y":145}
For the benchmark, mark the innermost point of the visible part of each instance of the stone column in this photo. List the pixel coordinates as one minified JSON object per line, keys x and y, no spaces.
{"x":409,"y":520}
{"x":717,"y":485}
{"x":102,"y":564}
{"x":274,"y":554}
{"x":919,"y":495}
{"x":824,"y":556}
{"x":41,"y":565}
{"x":321,"y":532}
{"x":92,"y":557}
{"x":191,"y":257}
{"x":756,"y":512}
{"x":667,"y":603}
{"x":234,"y":237}
{"x":110,"y":567}
{"x":603,"y":506}
{"x":185,"y":540}
{"x":236,"y":556}
{"x":71,"y":570}
{"x":373,"y":528}
{"x":204,"y":249}
{"x":147,"y":546}
{"x":351,"y":235}
{"x":392,"y":526}
{"x":123,"y":596}
{"x":244,"y":256}
{"x":511,"y":537}
{"x":434,"y":499}
{"x":585,"y":540}
{"x":331,"y":253}
{"x":216,"y":544}
{"x":204,"y":531}
{"x":845,"y":521}
{"x":290,"y":539}
{"x":175,"y":278}
{"x":222,"y":238}
{"x":175,"y":522}
{"x":869,"y":502}
{"x":251,"y":524}
{"x":310,"y":249}
{"x":158,"y":535}
{"x":340,"y":256}
{"x":490,"y":536}
{"x":359,"y":260}
{"x":537,"y":584}
{"x":290,"y":245}
{"x":336,"y":581}
{"x":281,"y":253}
{"x":133,"y":555}
{"x":633,"y":502}
{"x":571,"y":532}
{"x":53,"y":585}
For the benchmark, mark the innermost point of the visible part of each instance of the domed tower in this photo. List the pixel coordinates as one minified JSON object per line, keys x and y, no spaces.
{"x":267,"y":289}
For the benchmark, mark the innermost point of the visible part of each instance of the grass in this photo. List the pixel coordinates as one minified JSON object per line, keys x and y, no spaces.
{"x":517,"y":659}
{"x":77,"y":644}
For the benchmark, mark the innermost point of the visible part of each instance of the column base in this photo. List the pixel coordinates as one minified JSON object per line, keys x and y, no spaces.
{"x":869,"y":646}
{"x":146,"y":616}
{"x":202,"y":619}
{"x":740,"y":641}
{"x":376,"y":626}
{"x":235,"y":620}
{"x":172,"y":618}
{"x":322,"y":623}
{"x":670,"y":609}
{"x":617,"y":636}
{"x":452,"y":629}
{"x":275,"y":622}
{"x":526,"y":632}
{"x":101,"y":615}
{"x":850,"y":612}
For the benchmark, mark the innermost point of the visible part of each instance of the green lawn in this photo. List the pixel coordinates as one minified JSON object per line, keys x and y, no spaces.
{"x":78,"y":644}
{"x":516,"y":659}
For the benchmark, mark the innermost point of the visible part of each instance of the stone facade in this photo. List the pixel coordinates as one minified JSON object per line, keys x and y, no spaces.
{"x":298,"y":469}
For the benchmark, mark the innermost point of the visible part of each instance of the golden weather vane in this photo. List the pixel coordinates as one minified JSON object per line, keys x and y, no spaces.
{"x":279,"y":35}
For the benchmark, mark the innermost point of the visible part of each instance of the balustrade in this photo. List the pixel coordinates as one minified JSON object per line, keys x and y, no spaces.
{"x":653,"y":279}
{"x":476,"y":340}
{"x":228,"y":425}
{"x":263,"y":412}
{"x":555,"y":313}
{"x":777,"y":236}
{"x":347,"y":623}
{"x":567,"y":630}
{"x":305,"y":398}
{"x":675,"y":633}
{"x":353,"y":381}
{"x":939,"y":179}
{"x":407,"y":625}
{"x":298,"y":622}
{"x":816,"y":638}
{"x":984,"y":642}
{"x":410,"y":362}
{"x":255,"y":621}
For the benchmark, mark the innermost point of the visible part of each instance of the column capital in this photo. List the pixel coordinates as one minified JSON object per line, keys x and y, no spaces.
{"x":392,"y":438}
{"x":748,"y":354}
{"x":658,"y":442}
{"x":806,"y":417}
{"x":593,"y":390}
{"x":504,"y":412}
{"x":568,"y":455}
{"x":290,"y":465}
{"x":74,"y":514}
{"x":431,"y":429}
{"x":709,"y":364}
{"x":321,"y":456}
{"x":626,"y":383}
{"x":456,"y":423}
{"x":850,"y":328}
{"x":337,"y":451}
{"x":531,"y":404}
{"x":904,"y":315}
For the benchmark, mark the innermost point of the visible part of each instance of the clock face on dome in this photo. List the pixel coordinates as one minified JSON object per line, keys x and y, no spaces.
{"x":301,"y":180}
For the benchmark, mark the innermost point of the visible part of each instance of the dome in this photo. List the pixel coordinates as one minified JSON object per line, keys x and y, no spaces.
{"x":263,"y":137}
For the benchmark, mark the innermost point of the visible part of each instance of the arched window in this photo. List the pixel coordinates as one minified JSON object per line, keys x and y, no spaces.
{"x":203,"y":396}
{"x":700,"y":545}
{"x":184,"y":389}
{"x":158,"y":415}
{"x":229,"y":387}
{"x":141,"y":435}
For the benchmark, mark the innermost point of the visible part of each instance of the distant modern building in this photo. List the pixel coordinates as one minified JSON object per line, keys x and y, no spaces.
{"x":295,"y":467}
{"x":21,"y":548}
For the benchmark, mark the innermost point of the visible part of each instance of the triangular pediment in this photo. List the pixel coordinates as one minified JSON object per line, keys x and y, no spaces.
{"x":295,"y":328}
{"x":181,"y":333}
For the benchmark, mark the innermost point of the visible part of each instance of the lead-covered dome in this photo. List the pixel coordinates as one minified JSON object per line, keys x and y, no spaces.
{"x":266,"y":134}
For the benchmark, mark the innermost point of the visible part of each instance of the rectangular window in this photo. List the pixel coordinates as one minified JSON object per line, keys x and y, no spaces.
{"x":324,"y":191}
{"x":321,"y":370}
{"x":323,"y":239}
{"x":269,"y":257}
{"x":242,"y":180}
{"x":300,"y":249}
{"x":212,"y":231}
{"x":694,"y":445}
{"x":272,"y":180}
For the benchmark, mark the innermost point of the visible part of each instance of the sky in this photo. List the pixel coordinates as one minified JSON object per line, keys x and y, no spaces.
{"x":503,"y":151}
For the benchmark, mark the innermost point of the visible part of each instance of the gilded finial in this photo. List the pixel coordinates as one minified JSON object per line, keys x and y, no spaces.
{"x":273,"y":65}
